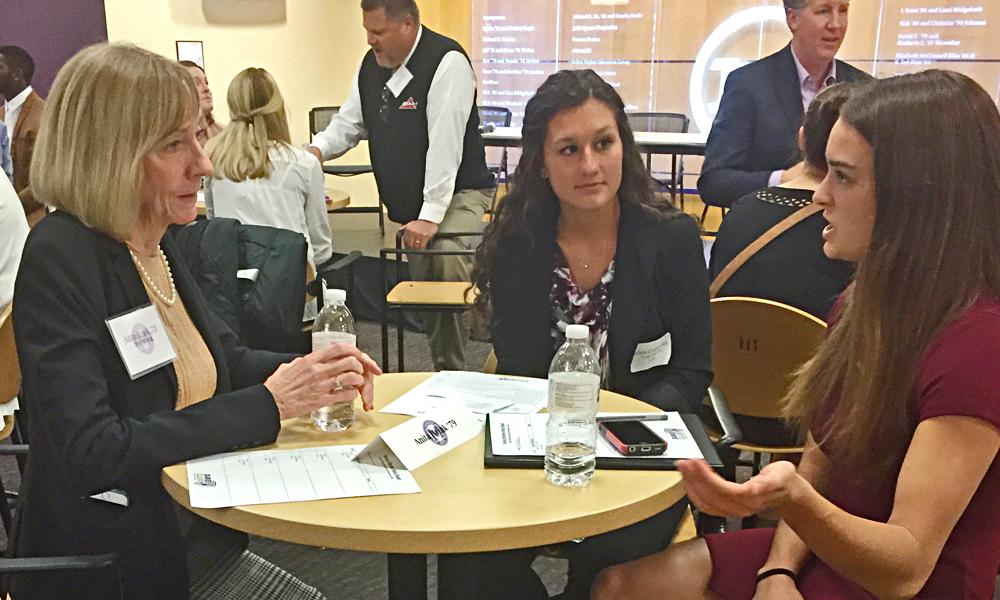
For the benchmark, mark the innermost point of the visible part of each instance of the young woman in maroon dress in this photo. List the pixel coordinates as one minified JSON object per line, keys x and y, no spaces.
{"x":897,"y":492}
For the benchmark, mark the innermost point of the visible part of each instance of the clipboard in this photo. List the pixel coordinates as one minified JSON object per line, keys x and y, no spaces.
{"x":693,"y":423}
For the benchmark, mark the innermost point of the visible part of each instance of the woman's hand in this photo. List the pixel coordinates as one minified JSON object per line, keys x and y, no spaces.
{"x":776,"y":486}
{"x":336,"y":373}
{"x":777,"y":587}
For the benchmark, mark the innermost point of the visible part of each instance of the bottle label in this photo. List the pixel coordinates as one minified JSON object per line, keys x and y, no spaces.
{"x":322,"y":339}
{"x":573,"y":391}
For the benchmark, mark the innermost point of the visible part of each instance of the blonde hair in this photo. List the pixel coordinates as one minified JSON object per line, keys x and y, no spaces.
{"x":110,"y":106}
{"x":258,"y":121}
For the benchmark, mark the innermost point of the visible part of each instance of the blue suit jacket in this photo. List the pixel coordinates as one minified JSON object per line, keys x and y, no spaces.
{"x":756,"y":129}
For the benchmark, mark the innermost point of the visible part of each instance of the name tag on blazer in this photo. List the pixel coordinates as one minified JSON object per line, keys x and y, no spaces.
{"x":652,"y":354}
{"x":141,"y":340}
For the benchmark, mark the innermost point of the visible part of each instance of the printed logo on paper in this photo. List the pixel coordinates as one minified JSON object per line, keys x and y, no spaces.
{"x":142,"y":339}
{"x":435,"y":433}
{"x":204,"y":480}
{"x":410,"y":104}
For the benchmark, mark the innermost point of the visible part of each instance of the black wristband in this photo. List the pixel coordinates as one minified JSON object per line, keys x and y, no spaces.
{"x":779,"y":571}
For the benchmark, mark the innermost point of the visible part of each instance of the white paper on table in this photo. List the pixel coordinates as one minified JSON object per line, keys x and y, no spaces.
{"x":270,"y":476}
{"x":524,"y":435}
{"x":481,"y":393}
{"x":428,"y":436}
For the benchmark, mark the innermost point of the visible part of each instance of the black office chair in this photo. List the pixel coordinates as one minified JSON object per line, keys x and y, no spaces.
{"x":664,"y":122}
{"x":496,"y":116}
{"x":320,"y":117}
{"x":319,"y":120}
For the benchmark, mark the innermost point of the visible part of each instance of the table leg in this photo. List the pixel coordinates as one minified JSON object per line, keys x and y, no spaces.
{"x":407,"y":576}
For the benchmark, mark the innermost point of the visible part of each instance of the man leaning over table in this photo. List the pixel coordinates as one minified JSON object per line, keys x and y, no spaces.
{"x":753,"y":143}
{"x":414,"y":98}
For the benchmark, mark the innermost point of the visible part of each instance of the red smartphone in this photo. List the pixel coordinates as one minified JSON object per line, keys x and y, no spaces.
{"x":632,"y":438}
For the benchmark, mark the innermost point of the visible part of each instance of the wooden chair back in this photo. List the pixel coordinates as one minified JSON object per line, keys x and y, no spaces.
{"x":490,"y":367}
{"x":757,"y":345}
{"x":10,"y":368}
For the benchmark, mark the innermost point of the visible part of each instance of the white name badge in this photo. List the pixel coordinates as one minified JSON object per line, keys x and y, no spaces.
{"x":142,"y":340}
{"x":652,"y":354}
{"x":428,"y":436}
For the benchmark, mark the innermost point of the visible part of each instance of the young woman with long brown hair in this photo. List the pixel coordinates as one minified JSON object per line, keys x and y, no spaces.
{"x":897,"y":492}
{"x":582,"y":240}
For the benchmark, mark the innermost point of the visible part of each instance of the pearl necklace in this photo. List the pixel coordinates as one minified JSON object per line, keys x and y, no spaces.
{"x":169,"y":301}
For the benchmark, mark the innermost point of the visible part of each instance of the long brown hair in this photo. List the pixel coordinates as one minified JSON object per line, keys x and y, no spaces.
{"x":532,"y":203}
{"x":935,"y":248}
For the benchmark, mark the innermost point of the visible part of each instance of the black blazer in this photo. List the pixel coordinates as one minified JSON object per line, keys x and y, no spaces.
{"x":660,"y":285}
{"x":755,"y":131}
{"x":93,"y":429}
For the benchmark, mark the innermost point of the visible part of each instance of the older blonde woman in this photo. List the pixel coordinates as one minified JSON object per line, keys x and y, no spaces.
{"x":260,"y":178}
{"x":106,"y":414}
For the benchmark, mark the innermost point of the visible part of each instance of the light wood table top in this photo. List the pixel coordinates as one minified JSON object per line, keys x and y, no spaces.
{"x":462,"y":507}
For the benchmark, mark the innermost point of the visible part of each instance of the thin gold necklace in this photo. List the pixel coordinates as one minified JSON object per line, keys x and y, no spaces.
{"x":168,"y":300}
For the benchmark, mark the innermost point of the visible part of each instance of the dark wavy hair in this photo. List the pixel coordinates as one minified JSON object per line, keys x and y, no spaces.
{"x":818,"y":121}
{"x":532,"y":205}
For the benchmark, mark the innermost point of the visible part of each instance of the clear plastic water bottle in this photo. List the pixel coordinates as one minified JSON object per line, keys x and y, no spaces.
{"x":571,"y":432}
{"x":333,"y":325}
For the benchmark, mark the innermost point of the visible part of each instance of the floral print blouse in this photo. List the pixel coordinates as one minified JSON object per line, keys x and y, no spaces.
{"x":574,"y":306}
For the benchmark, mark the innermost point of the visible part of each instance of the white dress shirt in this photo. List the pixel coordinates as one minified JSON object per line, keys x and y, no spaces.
{"x":449,"y":104}
{"x":12,"y":110}
{"x":809,"y":91}
{"x":292,"y":197}
{"x":13,"y":231}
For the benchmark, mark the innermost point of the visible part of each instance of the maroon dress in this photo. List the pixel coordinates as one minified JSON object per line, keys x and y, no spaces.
{"x":960,"y":376}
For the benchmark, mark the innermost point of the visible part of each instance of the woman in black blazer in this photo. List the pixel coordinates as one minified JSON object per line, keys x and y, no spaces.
{"x":121,"y":166}
{"x":581,"y":239}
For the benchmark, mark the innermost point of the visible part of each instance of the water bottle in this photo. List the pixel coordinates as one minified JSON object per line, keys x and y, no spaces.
{"x":333,"y":325}
{"x":571,"y":432}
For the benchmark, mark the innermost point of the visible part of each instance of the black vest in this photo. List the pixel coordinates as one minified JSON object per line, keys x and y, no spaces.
{"x":397,"y":135}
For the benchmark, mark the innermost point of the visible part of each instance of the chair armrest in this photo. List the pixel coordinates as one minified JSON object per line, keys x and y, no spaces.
{"x":57,"y":563}
{"x":335,"y":264}
{"x":731,"y":432}
{"x":13,"y":450}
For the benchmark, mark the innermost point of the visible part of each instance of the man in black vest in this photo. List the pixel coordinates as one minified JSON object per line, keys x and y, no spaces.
{"x":415,"y":100}
{"x":753,"y":143}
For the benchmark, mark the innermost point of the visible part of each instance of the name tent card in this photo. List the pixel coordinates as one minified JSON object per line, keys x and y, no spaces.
{"x":428,"y":436}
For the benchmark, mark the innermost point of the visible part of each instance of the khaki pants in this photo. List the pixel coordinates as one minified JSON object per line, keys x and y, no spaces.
{"x":448,"y":333}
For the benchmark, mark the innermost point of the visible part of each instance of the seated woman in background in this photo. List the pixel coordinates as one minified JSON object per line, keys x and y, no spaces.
{"x":581,"y":239}
{"x":792,"y":268}
{"x":897,"y":492}
{"x":260,"y":178}
{"x":100,"y":294}
{"x":208,"y":128}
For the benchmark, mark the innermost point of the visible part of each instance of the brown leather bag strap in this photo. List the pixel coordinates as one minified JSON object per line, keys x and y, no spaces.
{"x":779,"y":228}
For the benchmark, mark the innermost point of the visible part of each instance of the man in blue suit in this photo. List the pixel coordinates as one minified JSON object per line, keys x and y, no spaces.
{"x":753,"y":141}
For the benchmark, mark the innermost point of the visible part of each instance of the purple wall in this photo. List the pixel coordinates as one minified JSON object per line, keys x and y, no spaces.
{"x":51,"y":31}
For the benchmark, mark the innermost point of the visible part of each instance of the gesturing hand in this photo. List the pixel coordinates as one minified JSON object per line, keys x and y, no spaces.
{"x":776,"y":485}
{"x":334,"y":374}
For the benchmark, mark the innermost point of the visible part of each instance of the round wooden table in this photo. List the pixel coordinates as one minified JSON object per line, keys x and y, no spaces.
{"x":462,"y":506}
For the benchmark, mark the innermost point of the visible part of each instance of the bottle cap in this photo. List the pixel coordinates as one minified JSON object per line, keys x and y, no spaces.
{"x":332,"y":296}
{"x":577,"y":332}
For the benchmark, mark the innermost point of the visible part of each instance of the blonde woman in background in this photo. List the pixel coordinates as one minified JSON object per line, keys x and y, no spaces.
{"x":260,"y":178}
